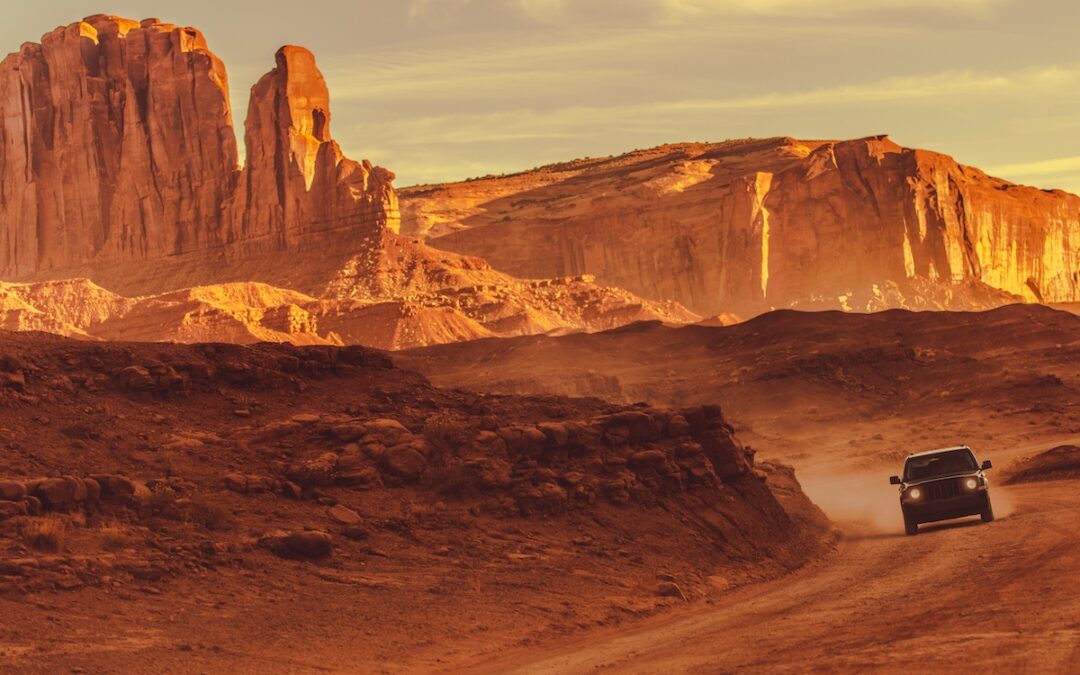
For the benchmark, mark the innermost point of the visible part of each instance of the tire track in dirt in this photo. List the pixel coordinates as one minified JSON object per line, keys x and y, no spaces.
{"x":984,"y":596}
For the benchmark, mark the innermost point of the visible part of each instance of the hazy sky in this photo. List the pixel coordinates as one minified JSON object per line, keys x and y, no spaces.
{"x":445,"y":89}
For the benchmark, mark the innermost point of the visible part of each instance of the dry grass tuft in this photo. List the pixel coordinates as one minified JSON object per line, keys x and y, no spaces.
{"x":46,"y":533}
{"x":208,"y":514}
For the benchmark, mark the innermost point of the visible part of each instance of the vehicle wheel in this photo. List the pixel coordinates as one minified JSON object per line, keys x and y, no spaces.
{"x":988,"y":513}
{"x":910,"y":526}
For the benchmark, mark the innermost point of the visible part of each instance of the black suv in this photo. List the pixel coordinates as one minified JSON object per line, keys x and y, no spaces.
{"x":943,"y":484}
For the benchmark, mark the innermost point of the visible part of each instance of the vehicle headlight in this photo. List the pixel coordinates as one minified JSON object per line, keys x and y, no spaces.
{"x":971,"y":483}
{"x":914,"y":494}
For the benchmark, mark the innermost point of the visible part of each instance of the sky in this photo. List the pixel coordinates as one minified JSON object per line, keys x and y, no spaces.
{"x":441,"y":90}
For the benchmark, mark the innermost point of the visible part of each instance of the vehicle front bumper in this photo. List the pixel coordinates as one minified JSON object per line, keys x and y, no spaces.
{"x":942,"y":509}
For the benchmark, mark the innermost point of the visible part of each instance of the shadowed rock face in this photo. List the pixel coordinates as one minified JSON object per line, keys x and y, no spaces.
{"x":117,"y":145}
{"x":744,"y":226}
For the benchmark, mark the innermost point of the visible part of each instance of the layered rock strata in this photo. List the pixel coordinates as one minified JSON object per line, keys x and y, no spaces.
{"x":746,"y":226}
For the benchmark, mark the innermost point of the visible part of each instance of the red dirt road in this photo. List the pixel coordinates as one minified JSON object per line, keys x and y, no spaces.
{"x":999,"y":597}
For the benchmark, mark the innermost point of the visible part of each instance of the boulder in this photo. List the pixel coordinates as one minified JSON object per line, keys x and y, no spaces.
{"x":523,"y":439}
{"x":318,"y":472}
{"x":404,"y":462}
{"x":93,"y":490}
{"x":357,"y":469}
{"x":135,"y":378}
{"x":631,"y":426}
{"x":557,"y":433}
{"x":343,"y":515}
{"x":356,"y":532}
{"x":488,"y":444}
{"x":545,"y":499}
{"x":647,"y":459}
{"x":120,"y":488}
{"x":490,"y":472}
{"x":305,"y":544}
{"x":12,"y":490}
{"x":249,"y":483}
{"x":56,"y":494}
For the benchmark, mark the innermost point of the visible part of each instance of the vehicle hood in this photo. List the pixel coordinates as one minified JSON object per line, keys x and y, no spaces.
{"x":923,"y":481}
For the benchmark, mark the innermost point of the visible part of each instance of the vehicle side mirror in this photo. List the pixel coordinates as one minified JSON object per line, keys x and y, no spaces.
{"x":987,"y":464}
{"x":894,"y":480}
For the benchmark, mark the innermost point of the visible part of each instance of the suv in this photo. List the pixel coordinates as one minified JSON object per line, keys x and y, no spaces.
{"x":943,"y":484}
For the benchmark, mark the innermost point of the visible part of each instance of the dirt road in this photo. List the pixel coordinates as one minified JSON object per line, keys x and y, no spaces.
{"x":999,"y":597}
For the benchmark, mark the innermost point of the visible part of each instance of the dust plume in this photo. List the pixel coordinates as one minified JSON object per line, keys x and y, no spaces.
{"x":866,"y":499}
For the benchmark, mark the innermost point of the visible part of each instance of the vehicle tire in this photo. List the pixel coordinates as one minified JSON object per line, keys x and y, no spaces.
{"x":910,"y":526}
{"x":987,"y":514}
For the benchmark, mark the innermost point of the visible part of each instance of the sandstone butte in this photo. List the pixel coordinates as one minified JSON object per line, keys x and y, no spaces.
{"x":119,"y":170}
{"x":745,"y":226}
{"x":117,"y":145}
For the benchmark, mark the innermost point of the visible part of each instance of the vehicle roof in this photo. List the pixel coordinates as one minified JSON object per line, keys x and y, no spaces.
{"x":934,"y":452}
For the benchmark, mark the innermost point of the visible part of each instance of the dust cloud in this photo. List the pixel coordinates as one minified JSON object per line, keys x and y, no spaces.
{"x":864,"y":498}
{"x":867,"y":500}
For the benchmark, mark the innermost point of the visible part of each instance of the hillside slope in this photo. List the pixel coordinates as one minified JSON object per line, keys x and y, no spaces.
{"x":216,"y":505}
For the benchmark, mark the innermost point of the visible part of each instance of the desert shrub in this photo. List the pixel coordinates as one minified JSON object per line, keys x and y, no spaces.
{"x":162,"y":500}
{"x":454,"y":481}
{"x":447,"y":432}
{"x":208,"y":514}
{"x":46,"y":533}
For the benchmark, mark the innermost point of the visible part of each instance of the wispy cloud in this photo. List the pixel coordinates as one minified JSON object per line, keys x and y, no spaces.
{"x":1046,"y":167}
{"x":435,"y":147}
{"x":563,"y":121}
{"x":1061,"y":172}
{"x":549,"y":11}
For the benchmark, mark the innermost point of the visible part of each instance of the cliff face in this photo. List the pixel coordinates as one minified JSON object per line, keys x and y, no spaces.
{"x":117,"y":146}
{"x":749,"y":225}
{"x":116,"y":143}
{"x":297,"y":182}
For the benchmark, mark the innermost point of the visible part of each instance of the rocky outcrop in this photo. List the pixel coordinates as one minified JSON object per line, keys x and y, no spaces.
{"x":117,"y":146}
{"x":297,"y":182}
{"x":745,"y":226}
{"x":253,"y":312}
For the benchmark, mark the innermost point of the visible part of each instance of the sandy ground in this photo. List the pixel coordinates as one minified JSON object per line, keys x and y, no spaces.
{"x":473,"y":594}
{"x":959,"y":595}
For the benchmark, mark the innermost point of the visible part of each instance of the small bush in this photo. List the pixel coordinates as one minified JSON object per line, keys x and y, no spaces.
{"x":447,"y":432}
{"x":45,"y":534}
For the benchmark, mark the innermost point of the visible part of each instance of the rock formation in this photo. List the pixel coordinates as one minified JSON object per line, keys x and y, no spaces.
{"x":745,"y":226}
{"x":117,"y":146}
{"x":250,"y":312}
{"x":118,"y":150}
{"x":297,"y":182}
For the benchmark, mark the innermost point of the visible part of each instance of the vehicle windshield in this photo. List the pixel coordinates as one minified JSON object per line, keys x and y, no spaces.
{"x":940,"y":464}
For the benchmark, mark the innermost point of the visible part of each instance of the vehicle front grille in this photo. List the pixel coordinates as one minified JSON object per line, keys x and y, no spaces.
{"x":943,"y":489}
